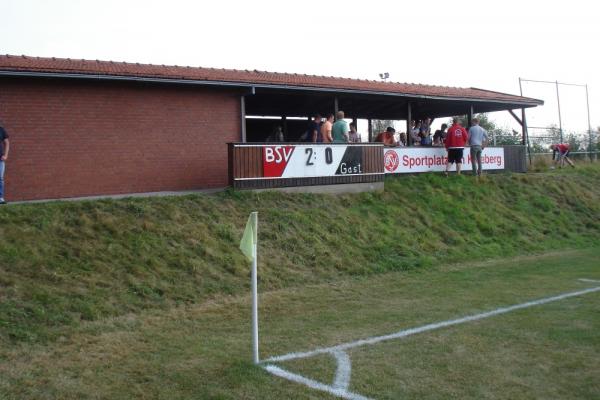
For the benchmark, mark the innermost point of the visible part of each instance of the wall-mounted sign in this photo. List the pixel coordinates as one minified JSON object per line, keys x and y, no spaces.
{"x":402,"y":160}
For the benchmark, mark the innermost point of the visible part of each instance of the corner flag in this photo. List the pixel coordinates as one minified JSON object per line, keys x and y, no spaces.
{"x":249,"y":245}
{"x":250,"y":237}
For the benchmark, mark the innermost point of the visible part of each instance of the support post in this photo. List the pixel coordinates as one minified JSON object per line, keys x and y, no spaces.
{"x":284,"y":125}
{"x":370,"y":128}
{"x":336,"y":106}
{"x":243,"y":118}
{"x":408,"y":119}
{"x":469,"y":116}
{"x":525,"y":140}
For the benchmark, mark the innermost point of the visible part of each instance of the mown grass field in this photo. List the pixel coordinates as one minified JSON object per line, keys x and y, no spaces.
{"x":147,"y":298}
{"x":204,"y":351}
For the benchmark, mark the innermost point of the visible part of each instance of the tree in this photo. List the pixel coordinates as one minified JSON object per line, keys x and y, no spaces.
{"x":574,"y":141}
{"x":380,"y":125}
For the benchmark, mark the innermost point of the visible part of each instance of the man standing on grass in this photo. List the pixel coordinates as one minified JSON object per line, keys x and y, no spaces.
{"x":4,"y":147}
{"x":456,"y":138}
{"x":477,"y":140}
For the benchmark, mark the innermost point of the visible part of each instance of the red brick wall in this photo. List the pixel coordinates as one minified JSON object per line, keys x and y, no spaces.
{"x":81,"y":138}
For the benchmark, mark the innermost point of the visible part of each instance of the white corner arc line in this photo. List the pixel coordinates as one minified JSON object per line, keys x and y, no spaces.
{"x":343,"y":393}
{"x":344,"y":370}
{"x":429,"y":327}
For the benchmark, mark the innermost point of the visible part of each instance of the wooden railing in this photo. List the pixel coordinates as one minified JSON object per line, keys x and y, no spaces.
{"x":275,"y":165}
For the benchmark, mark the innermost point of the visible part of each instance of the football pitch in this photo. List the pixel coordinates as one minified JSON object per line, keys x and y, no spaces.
{"x":516,"y":328}
{"x":527,"y":328}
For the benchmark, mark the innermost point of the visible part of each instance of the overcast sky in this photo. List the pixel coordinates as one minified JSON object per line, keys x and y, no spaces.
{"x":480,"y":44}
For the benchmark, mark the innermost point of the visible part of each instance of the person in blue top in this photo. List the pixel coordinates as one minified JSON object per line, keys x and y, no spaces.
{"x":314,"y":130}
{"x":340,"y":129}
{"x":4,"y":147}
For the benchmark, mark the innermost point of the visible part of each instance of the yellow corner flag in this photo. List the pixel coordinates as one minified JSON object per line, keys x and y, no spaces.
{"x":250,"y":237}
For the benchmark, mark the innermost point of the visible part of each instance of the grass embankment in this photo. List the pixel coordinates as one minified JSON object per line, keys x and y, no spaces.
{"x":63,"y":263}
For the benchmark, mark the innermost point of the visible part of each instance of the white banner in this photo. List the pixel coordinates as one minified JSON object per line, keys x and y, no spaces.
{"x":403,"y":160}
{"x":300,"y":161}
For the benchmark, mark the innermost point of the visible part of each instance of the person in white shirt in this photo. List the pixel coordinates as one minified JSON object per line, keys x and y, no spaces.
{"x":477,"y":140}
{"x":354,"y":135}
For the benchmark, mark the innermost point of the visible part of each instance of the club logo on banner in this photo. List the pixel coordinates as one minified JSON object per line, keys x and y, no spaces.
{"x":391,"y":160}
{"x":275,"y":159}
{"x":311,"y":161}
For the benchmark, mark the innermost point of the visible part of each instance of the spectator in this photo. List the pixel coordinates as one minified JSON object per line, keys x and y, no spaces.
{"x":4,"y":147}
{"x":563,"y":150}
{"x":425,"y":138}
{"x":353,"y":135}
{"x":477,"y":140}
{"x":277,"y":135}
{"x":440,"y":135}
{"x":455,"y":142}
{"x":425,"y":128}
{"x":387,"y":137}
{"x":326,"y":129}
{"x":414,"y":134}
{"x":402,"y":141}
{"x":314,"y":130}
{"x":340,"y":129}
{"x":409,"y":133}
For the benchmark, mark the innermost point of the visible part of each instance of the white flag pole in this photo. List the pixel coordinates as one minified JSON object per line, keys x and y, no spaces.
{"x":255,"y":300}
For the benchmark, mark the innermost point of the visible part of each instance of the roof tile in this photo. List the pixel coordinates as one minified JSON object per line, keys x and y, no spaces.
{"x":57,"y":65}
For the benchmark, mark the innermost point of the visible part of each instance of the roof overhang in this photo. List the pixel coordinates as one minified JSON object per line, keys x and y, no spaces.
{"x":293,"y":100}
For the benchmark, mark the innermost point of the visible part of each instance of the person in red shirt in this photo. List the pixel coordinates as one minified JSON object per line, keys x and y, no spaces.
{"x":563,"y":150}
{"x":456,"y":138}
{"x":387,"y":137}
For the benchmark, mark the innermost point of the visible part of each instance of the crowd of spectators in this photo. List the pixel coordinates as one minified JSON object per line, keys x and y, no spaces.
{"x":419,"y":134}
{"x":334,"y":129}
{"x":454,"y":138}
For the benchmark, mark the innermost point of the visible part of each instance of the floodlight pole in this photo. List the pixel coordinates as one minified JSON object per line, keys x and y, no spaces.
{"x":558,"y":101}
{"x":559,"y":117}
{"x":587,"y":100}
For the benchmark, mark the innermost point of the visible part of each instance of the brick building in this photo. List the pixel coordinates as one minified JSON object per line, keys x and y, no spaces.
{"x":83,"y":128}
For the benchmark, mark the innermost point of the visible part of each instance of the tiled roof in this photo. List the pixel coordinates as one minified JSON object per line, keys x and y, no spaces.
{"x":136,"y":70}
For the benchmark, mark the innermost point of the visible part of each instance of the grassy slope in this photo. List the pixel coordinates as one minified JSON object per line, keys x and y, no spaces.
{"x":61,"y":263}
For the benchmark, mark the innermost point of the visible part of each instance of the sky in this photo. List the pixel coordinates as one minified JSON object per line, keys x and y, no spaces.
{"x":483,"y":44}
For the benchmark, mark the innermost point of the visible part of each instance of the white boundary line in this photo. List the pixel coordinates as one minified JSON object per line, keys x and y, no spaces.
{"x":341,"y":381}
{"x":429,"y":327}
{"x":344,"y":394}
{"x":589,"y":280}
{"x":344,"y":370}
